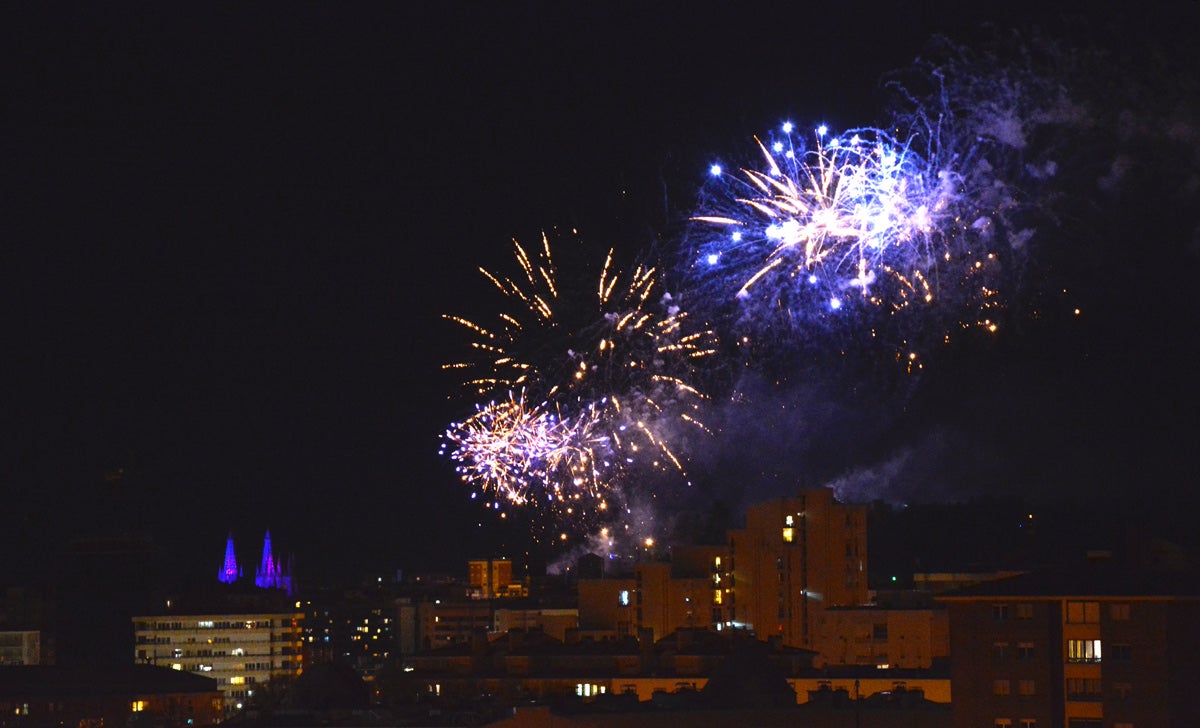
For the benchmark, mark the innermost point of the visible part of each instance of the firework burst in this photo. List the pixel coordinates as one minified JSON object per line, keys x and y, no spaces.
{"x":587,"y":386}
{"x":858,"y":226}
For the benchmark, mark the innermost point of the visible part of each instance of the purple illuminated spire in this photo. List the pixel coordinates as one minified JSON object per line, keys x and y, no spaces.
{"x":270,"y":573}
{"x":229,"y":571}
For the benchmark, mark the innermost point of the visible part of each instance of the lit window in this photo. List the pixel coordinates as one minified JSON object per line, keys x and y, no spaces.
{"x":239,"y":680}
{"x":623,"y":598}
{"x":204,"y":623}
{"x":176,"y":666}
{"x":138,"y":706}
{"x":717,"y":596}
{"x":1083,"y":650}
{"x":788,"y":535}
{"x":1001,"y":687}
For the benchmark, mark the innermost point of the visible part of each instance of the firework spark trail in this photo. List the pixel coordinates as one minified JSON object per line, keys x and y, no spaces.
{"x":508,"y":447}
{"x":603,"y":384}
{"x":859,"y":223}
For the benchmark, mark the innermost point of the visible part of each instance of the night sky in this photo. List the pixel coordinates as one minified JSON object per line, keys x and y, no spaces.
{"x":229,"y":236}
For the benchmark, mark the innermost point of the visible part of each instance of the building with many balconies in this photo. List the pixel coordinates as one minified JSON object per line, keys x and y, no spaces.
{"x":241,"y":651}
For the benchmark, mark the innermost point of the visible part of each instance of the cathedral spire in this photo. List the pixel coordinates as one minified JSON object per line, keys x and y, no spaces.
{"x":229,"y":570}
{"x":271,"y":574}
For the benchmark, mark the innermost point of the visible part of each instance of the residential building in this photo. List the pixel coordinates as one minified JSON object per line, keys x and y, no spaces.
{"x":493,"y":579}
{"x":91,"y":697}
{"x":20,"y":648}
{"x":883,"y":636}
{"x":795,"y":558}
{"x":241,"y":651}
{"x":1093,"y":646}
{"x":653,"y":599}
{"x":553,"y":622}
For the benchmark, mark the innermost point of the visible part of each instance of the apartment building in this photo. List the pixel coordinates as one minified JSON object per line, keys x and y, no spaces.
{"x":242,"y":652}
{"x":1097,"y":646}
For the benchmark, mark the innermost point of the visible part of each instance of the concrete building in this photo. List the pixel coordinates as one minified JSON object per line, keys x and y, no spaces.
{"x":653,"y":599}
{"x":795,"y":558}
{"x":883,"y":637}
{"x":241,"y":652}
{"x":1089,"y":647}
{"x":493,"y":579}
{"x":553,"y":622}
{"x":20,"y":648}
{"x":357,"y":627}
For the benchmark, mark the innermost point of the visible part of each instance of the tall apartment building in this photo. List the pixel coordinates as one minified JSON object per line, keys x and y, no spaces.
{"x":242,"y":652}
{"x":795,"y":557}
{"x":1092,"y":647}
{"x":493,"y":579}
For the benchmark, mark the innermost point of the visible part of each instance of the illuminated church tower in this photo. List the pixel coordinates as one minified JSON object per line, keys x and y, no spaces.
{"x":271,"y":574}
{"x":229,"y":571}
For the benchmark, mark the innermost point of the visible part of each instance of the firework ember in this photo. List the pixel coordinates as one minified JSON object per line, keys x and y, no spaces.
{"x":587,"y":385}
{"x":859,"y":225}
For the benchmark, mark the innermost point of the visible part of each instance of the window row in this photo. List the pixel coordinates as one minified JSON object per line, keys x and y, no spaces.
{"x":1002,"y":651}
{"x":1004,"y":687}
{"x":1078,"y":612}
{"x":1092,"y":651}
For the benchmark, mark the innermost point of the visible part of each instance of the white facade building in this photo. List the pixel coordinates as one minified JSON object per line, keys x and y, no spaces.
{"x":242,"y":652}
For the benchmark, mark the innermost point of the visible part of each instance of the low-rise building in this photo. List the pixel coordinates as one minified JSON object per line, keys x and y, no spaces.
{"x":109,"y":696}
{"x":883,"y":637}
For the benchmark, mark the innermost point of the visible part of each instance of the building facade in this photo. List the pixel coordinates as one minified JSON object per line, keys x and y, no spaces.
{"x":883,"y":637}
{"x":796,"y":557}
{"x":115,"y":696}
{"x":20,"y":648}
{"x":242,"y":652}
{"x":1094,"y":647}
